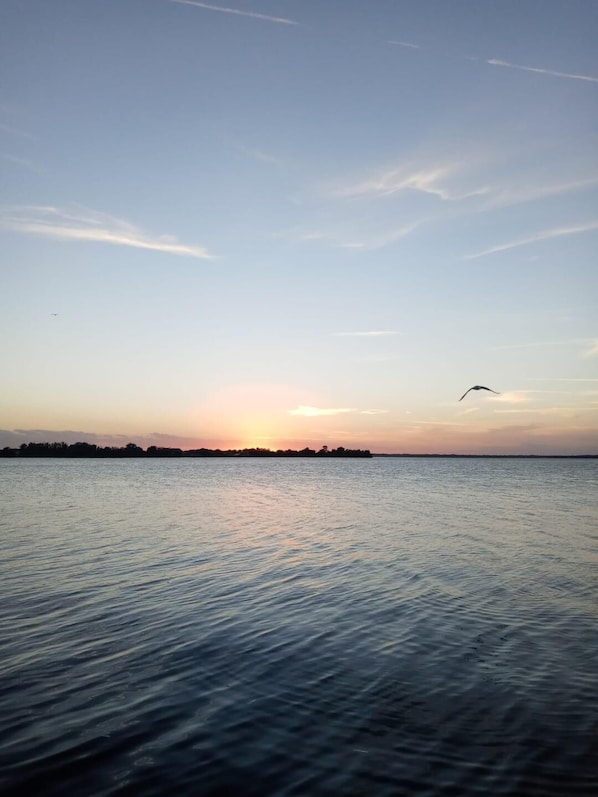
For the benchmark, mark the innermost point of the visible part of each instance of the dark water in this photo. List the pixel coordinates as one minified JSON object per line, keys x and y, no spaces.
{"x":226,"y":627}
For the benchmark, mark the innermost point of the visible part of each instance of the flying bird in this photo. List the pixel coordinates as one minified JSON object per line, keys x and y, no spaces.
{"x":479,"y":387}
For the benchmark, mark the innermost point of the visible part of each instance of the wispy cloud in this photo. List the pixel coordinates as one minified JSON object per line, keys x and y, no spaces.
{"x":83,"y":224}
{"x":374,"y":333}
{"x":367,"y":241}
{"x":508,"y":65}
{"x":381,"y":240}
{"x":511,"y":397}
{"x":551,"y":72}
{"x":373,"y":412}
{"x":410,"y":45}
{"x":544,"y":235}
{"x":459,"y":180}
{"x":428,"y":180}
{"x":566,"y":412}
{"x":525,"y":191}
{"x":209,"y":7}
{"x":313,"y":412}
{"x":257,"y":154}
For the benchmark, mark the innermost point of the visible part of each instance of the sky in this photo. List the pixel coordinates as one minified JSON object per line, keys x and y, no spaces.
{"x":289,"y":223}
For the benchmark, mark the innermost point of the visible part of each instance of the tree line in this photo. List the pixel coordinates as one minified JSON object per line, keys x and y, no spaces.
{"x":131,"y":450}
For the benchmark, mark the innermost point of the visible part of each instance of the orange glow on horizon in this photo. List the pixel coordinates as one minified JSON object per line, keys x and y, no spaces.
{"x":264,"y":416}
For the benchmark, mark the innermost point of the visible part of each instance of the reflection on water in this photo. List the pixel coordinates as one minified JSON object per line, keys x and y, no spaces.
{"x":375,"y":627}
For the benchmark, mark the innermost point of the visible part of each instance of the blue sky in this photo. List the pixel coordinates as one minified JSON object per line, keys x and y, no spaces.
{"x":300,"y":222}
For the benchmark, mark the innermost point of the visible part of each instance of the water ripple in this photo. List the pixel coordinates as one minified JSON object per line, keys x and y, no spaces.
{"x":292,"y":628}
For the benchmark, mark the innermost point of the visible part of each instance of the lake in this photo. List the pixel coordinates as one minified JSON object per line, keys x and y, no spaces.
{"x":387,"y":626}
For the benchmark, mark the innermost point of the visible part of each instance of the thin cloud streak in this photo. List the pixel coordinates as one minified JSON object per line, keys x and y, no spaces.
{"x":508,"y":65}
{"x":512,"y":397}
{"x":264,"y":157}
{"x":380,"y":241}
{"x":406,"y":44}
{"x":340,"y":240}
{"x":314,"y":412}
{"x":392,"y":181}
{"x":442,"y":181}
{"x":553,"y":73}
{"x":265,"y":17}
{"x":507,"y":196}
{"x":541,"y":236}
{"x":562,"y":411}
{"x":91,"y":226}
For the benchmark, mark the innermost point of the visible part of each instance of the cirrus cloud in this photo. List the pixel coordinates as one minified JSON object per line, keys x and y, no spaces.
{"x":540,"y":71}
{"x":512,"y":397}
{"x":314,"y":412}
{"x":543,"y":235}
{"x":85,"y":224}
{"x":237,"y":11}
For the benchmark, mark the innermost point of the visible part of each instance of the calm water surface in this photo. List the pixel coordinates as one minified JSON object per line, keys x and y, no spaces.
{"x":296,"y":627}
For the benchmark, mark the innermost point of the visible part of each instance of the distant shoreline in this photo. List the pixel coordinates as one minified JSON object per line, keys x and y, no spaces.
{"x":132,"y":451}
{"x":84,"y":450}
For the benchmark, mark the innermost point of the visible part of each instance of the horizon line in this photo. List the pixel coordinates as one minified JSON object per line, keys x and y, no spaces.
{"x":324,"y":449}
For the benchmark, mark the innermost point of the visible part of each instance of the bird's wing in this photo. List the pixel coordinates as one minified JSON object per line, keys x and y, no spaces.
{"x":464,"y":394}
{"x":489,"y":389}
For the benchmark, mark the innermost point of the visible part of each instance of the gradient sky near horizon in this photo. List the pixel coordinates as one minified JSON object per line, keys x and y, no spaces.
{"x":283,"y":223}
